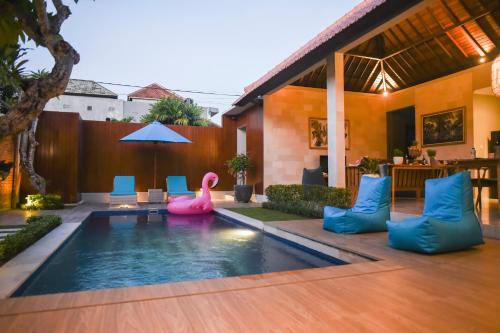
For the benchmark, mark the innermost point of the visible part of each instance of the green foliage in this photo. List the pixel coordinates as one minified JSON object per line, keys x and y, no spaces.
{"x":398,"y":153}
{"x":175,"y":111}
{"x":431,"y":152}
{"x":302,"y":208}
{"x":43,"y":201}
{"x":238,"y":166}
{"x":123,"y":120}
{"x":306,"y":200}
{"x":266,"y":215}
{"x":11,"y":75}
{"x":39,"y":74}
{"x":369,"y":165}
{"x":36,"y":228}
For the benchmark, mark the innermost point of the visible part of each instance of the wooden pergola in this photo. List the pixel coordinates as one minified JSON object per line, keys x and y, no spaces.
{"x":443,"y":38}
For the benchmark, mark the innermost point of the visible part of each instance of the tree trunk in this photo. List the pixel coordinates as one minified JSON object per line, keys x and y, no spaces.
{"x":27,"y":153}
{"x":43,"y":29}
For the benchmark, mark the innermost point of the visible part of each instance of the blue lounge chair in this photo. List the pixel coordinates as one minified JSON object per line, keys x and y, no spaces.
{"x":449,"y":222}
{"x":369,"y":214}
{"x":177,"y":185}
{"x":123,"y":191}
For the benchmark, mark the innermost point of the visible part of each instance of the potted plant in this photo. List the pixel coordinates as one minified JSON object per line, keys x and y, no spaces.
{"x":431,"y":153}
{"x":238,"y":167}
{"x":414,"y":151}
{"x":398,"y":156}
{"x":369,"y":166}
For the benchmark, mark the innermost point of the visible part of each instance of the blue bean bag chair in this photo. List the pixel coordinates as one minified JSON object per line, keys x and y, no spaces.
{"x":369,"y":214}
{"x":448,"y":223}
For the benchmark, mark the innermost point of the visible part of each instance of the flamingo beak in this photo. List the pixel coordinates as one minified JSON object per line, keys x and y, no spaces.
{"x":215,"y":182}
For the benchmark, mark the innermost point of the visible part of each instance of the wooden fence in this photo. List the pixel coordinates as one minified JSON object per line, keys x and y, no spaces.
{"x":78,"y":156}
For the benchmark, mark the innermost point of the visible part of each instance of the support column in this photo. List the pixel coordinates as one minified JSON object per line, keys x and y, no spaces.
{"x":335,"y":116}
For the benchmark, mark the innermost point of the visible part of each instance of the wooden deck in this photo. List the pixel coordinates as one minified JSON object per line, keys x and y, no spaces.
{"x":402,"y":292}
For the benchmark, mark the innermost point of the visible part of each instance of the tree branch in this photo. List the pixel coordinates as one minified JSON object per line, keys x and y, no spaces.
{"x":37,"y":92}
{"x":43,"y":19}
{"x":63,"y":12}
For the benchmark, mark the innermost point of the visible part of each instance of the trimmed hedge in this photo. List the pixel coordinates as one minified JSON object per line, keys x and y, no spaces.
{"x":306,"y":200}
{"x":37,"y":227}
{"x":43,"y":201}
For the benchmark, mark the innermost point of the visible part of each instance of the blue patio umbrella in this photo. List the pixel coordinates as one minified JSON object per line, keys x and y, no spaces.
{"x":155,"y":132}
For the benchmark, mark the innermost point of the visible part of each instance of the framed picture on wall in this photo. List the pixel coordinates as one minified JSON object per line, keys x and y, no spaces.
{"x":318,"y":133}
{"x":444,"y":127}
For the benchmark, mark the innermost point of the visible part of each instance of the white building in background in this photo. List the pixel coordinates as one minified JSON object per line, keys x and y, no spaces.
{"x":88,"y":98}
{"x":95,"y":102}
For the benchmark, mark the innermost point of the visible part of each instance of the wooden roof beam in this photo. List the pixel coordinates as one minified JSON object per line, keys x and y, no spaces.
{"x":445,"y":31}
{"x":371,"y":78}
{"x":421,"y":20}
{"x":469,"y":36}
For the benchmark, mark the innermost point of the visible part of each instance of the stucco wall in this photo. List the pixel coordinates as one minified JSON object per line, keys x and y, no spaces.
{"x":136,"y":109}
{"x":286,"y":113}
{"x":486,"y":119}
{"x":367,"y":126}
{"x":286,"y":145}
{"x":102,"y":108}
{"x":445,"y":93}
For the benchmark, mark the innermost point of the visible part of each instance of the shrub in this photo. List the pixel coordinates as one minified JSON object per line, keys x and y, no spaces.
{"x":306,"y":200}
{"x":398,"y":153}
{"x":43,"y":201}
{"x":37,"y":227}
{"x":304,"y":208}
{"x":431,"y":152}
{"x":369,"y":165}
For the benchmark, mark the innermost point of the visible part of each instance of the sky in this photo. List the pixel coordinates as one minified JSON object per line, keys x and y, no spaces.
{"x":216,"y":46}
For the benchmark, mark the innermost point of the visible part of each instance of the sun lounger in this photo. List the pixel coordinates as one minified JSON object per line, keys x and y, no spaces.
{"x":177,"y":186}
{"x":123,"y":191}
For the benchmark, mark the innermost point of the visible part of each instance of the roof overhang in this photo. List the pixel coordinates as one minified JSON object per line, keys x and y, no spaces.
{"x":370,"y":21}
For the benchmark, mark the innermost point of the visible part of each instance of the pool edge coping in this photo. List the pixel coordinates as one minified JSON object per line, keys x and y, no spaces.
{"x":344,"y":254}
{"x":111,"y":296}
{"x":15,"y":272}
{"x":19,"y":269}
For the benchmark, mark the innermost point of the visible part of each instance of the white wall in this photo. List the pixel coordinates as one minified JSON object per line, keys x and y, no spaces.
{"x":102,"y":108}
{"x":136,"y":108}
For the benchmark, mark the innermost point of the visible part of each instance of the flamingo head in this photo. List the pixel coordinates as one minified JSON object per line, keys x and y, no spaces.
{"x":211,"y":176}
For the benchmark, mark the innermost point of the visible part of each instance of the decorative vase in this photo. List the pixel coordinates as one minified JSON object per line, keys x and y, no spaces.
{"x":398,"y":160}
{"x":243,"y":193}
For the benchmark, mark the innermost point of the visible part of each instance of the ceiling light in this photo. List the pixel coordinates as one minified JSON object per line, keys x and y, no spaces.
{"x":482,"y":60}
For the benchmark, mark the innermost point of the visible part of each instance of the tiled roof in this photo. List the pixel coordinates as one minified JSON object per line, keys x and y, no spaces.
{"x":345,"y":21}
{"x":88,"y":88}
{"x":153,"y":91}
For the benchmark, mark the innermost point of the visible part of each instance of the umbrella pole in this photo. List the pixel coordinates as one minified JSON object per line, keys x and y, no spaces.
{"x":154,"y":176}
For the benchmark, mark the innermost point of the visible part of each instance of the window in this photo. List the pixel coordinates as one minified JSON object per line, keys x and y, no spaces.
{"x":111,"y":108}
{"x":89,"y":108}
{"x":66,"y":106}
{"x":241,"y":140}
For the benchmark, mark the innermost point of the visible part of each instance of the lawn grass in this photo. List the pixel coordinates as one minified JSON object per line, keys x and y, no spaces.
{"x":267,"y":215}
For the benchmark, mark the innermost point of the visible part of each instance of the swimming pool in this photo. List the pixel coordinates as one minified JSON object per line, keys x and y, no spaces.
{"x":131,"y":250}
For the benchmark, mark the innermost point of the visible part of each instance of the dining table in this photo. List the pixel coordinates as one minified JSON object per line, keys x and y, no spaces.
{"x":477,"y":164}
{"x":412,"y":177}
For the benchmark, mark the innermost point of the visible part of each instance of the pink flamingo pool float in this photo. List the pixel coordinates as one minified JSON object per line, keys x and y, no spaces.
{"x":185,"y":205}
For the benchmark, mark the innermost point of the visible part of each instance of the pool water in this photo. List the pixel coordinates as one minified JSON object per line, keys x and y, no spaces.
{"x":121,"y":251}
